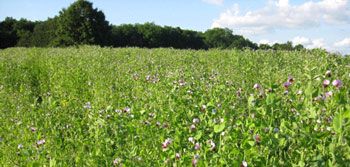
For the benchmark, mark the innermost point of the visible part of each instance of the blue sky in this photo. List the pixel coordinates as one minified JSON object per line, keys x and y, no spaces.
{"x":313,"y":23}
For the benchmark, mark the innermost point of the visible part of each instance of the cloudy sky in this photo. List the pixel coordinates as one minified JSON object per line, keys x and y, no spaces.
{"x":313,"y":23}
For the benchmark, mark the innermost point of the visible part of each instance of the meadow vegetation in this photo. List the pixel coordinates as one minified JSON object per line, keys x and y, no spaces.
{"x":92,"y":106}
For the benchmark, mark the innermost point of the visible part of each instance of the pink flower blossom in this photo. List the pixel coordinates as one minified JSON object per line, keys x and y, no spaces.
{"x":326,"y":83}
{"x":287,"y":84}
{"x":337,"y":83}
{"x":257,"y":86}
{"x":166,"y":143}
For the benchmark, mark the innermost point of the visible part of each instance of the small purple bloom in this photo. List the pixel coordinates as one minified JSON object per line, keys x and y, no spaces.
{"x":177,"y":156}
{"x":290,"y":79}
{"x":117,"y":161}
{"x":193,"y":127}
{"x":257,"y":86}
{"x":287,"y":84}
{"x":328,"y":94}
{"x":337,"y":83}
{"x":196,"y":121}
{"x":326,"y":83}
{"x":40,"y":142}
{"x":87,"y":105}
{"x":166,"y":143}
{"x":197,"y":146}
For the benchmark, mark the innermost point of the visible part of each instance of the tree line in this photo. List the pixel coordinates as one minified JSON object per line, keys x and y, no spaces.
{"x":81,"y":24}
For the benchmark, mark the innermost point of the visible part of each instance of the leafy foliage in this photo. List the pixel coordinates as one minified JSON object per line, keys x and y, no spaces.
{"x":92,"y":106}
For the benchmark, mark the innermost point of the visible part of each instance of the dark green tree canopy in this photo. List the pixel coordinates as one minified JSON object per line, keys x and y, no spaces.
{"x":80,"y":23}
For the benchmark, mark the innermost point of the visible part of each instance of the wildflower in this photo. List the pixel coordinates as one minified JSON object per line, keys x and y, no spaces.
{"x":286,"y":92}
{"x":244,"y":164}
{"x":182,"y":82}
{"x":190,"y":92}
{"x":276,"y":130}
{"x":287,"y":84}
{"x":117,"y":161}
{"x":33,"y":129}
{"x":212,"y":145}
{"x":118,"y":111}
{"x":87,"y":105}
{"x":193,"y":127}
{"x":337,"y":83}
{"x":157,"y":123}
{"x":166,"y":143}
{"x":328,"y":128}
{"x":290,"y":79}
{"x":267,"y":129}
{"x":196,"y":121}
{"x":40,"y":142}
{"x":126,"y":110}
{"x":20,"y":146}
{"x":299,"y":92}
{"x":239,"y":92}
{"x":257,"y":139}
{"x":195,"y":160}
{"x":326,"y":83}
{"x":177,"y":156}
{"x":222,"y":133}
{"x":191,"y":139}
{"x":203,"y":108}
{"x":197,"y":146}
{"x":328,"y":94}
{"x":328,"y":73}
{"x":257,"y":86}
{"x":213,"y":111}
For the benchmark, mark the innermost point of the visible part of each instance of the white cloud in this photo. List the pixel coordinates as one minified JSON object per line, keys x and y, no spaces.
{"x":279,"y":14}
{"x":265,"y":41}
{"x":309,"y":43}
{"x":343,"y":43}
{"x":215,"y":2}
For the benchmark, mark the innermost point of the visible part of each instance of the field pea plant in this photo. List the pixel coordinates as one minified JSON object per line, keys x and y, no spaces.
{"x":92,"y":106}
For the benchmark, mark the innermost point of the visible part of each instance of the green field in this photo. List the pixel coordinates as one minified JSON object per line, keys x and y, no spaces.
{"x":92,"y":106}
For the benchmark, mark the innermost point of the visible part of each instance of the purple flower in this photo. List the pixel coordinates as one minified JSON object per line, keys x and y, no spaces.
{"x":40,"y":142}
{"x":177,"y":156}
{"x":326,"y":83}
{"x":193,"y":127}
{"x":197,"y":146}
{"x":328,"y":94}
{"x":166,"y":143}
{"x":337,"y":83}
{"x":257,"y":86}
{"x":290,"y":79}
{"x":87,"y":105}
{"x":287,"y":84}
{"x":195,"y":160}
{"x":195,"y":121}
{"x":33,"y":129}
{"x":117,"y":161}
